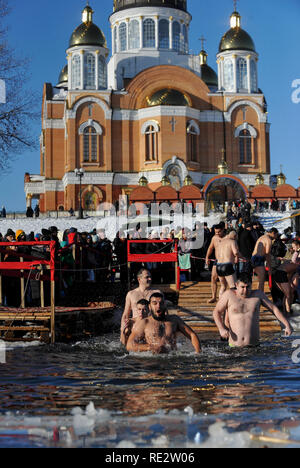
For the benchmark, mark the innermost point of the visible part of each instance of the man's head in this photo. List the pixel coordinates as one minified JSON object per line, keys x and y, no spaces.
{"x":219,"y":230}
{"x":142,"y":308}
{"x":244,"y":285}
{"x":274,"y":233}
{"x":144,"y":277}
{"x":232,"y":235}
{"x":157,"y":306}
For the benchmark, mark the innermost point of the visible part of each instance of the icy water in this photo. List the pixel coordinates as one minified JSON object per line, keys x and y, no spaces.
{"x":95,"y":394}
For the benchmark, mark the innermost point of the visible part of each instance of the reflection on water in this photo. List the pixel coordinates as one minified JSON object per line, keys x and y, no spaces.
{"x":176,"y":397}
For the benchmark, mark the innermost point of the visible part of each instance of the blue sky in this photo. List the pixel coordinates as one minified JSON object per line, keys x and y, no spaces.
{"x":40,"y":30}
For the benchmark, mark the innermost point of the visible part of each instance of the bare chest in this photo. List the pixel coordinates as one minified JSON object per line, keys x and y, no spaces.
{"x":160,"y":330}
{"x":244,"y":307}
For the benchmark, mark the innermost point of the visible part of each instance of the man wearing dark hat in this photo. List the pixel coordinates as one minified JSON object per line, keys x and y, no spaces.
{"x":9,"y":236}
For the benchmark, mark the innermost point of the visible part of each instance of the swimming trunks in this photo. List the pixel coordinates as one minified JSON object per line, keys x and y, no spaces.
{"x":225,"y":269}
{"x":280,"y":276}
{"x":258,"y":261}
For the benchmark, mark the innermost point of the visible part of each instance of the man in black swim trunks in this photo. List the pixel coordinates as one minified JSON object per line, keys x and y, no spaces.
{"x":262,"y":256}
{"x":228,"y":258}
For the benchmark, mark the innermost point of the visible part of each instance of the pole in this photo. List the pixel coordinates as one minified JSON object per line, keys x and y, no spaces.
{"x":1,"y":290}
{"x":52,"y":311}
{"x":22,"y":287}
{"x":80,"y":202}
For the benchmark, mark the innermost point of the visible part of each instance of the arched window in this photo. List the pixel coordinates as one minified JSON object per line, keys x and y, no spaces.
{"x":245,"y":143}
{"x":228,"y":75}
{"x":176,"y":36}
{"x":185,"y":39}
{"x":242,"y":74}
{"x":123,"y":37}
{"x":102,"y":73}
{"x":192,"y":141}
{"x":149,"y":33}
{"x":89,"y":71}
{"x":115,"y":40}
{"x":76,"y":81}
{"x":134,"y":35}
{"x":151,"y":143}
{"x":164,"y":36}
{"x":90,"y":144}
{"x":253,"y":75}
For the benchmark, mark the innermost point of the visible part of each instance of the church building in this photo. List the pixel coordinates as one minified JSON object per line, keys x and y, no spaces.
{"x":149,"y":120}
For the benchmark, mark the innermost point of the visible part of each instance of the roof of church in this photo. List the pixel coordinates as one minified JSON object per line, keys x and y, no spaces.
{"x":124,"y":4}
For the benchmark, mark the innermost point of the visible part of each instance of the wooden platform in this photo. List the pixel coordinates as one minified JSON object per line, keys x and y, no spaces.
{"x":194,"y":309}
{"x":33,"y":323}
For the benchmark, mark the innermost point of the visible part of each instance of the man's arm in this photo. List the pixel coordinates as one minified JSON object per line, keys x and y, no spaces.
{"x":278,"y":314}
{"x":125,"y":316}
{"x":219,"y":314}
{"x":190,"y":334}
{"x":210,"y":251}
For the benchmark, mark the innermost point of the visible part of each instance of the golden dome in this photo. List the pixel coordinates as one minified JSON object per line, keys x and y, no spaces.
{"x":165,"y":181}
{"x":223,"y":167}
{"x":236,"y":38}
{"x":281,"y":179}
{"x":168,"y":97}
{"x":208,"y":75}
{"x":143,"y":182}
{"x":63,"y":77}
{"x":188,"y":180}
{"x":124,"y":4}
{"x":259,"y":179}
{"x":87,"y":32}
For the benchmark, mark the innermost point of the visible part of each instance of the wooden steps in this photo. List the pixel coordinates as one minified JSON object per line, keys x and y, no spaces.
{"x":194,"y":309}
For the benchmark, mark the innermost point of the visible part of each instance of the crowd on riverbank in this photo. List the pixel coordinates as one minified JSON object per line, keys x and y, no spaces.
{"x":102,"y":259}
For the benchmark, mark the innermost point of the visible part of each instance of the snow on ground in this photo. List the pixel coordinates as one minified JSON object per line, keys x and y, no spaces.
{"x":276,"y":219}
{"x":268,"y":219}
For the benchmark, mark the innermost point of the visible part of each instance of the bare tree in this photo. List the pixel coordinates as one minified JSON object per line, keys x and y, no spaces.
{"x":19,"y":111}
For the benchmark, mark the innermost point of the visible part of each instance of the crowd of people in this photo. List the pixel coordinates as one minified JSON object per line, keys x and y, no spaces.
{"x":224,"y":252}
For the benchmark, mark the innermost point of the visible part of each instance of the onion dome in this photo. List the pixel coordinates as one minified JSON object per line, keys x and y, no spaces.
{"x":124,"y":4}
{"x":208,"y":75}
{"x":236,"y":38}
{"x":165,"y":181}
{"x":168,"y":97}
{"x":259,"y":179}
{"x":188,"y":181}
{"x":281,"y":179}
{"x":63,"y":77}
{"x":87,"y":33}
{"x":143,"y":182}
{"x":223,"y":167}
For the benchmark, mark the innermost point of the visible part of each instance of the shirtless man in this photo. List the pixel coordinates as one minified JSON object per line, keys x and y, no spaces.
{"x":214,"y":245}
{"x":228,"y":256}
{"x":262,"y":256}
{"x":143,"y":291}
{"x":142,"y":311}
{"x":242,"y":308}
{"x":157,"y":333}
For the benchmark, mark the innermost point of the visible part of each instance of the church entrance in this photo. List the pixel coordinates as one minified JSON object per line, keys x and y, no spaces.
{"x":222,"y":192}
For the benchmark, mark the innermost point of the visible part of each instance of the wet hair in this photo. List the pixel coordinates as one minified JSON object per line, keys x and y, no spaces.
{"x":245,"y":278}
{"x":157,"y":295}
{"x":140,"y":272}
{"x":143,"y":302}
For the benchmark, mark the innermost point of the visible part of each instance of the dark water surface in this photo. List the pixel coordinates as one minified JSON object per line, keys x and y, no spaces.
{"x":96,"y":394}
